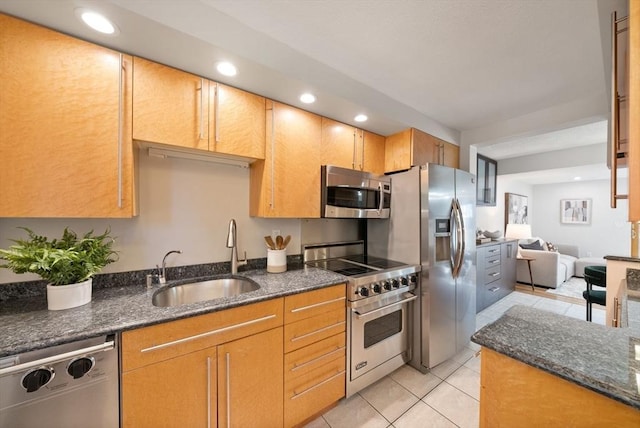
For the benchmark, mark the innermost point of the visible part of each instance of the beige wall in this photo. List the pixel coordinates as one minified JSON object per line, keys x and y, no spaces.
{"x":184,"y":204}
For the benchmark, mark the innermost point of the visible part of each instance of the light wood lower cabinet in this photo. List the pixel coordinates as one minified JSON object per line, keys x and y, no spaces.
{"x":217,"y":368}
{"x":287,"y":183}
{"x":250,"y":388}
{"x":172,"y":393}
{"x":315,"y":353}
{"x":65,"y":128}
{"x":514,"y":394}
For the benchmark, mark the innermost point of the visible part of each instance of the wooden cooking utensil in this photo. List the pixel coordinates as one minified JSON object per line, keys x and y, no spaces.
{"x":270,"y":243}
{"x":286,"y":241}
{"x":279,"y":242}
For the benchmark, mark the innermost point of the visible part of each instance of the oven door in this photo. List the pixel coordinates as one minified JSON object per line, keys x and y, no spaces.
{"x":379,"y":332}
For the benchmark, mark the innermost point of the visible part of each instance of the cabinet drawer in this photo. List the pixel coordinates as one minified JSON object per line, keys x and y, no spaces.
{"x":160,"y":342}
{"x":312,"y":303}
{"x":494,"y":292}
{"x":492,"y":251}
{"x":492,"y":261}
{"x":305,"y":397}
{"x":491,"y":274}
{"x":304,"y":360}
{"x":310,"y":330}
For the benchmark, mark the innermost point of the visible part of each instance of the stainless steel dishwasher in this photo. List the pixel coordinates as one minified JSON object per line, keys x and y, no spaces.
{"x":70,"y":385}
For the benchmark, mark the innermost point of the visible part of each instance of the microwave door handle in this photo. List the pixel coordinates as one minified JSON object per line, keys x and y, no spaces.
{"x":381,"y":202}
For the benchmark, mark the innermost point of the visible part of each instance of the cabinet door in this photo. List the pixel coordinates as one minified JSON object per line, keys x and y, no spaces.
{"x":450,"y":155}
{"x":287,"y":182}
{"x":338,"y":144}
{"x":426,"y":148}
{"x":238,"y":123}
{"x":250,"y":381}
{"x":397,"y":151}
{"x":169,"y":106}
{"x":180,"y":392}
{"x":372,"y":153}
{"x":65,"y":137}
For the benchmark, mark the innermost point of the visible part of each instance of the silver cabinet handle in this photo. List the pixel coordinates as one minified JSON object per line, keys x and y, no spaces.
{"x":201,"y":130}
{"x":216,"y":116}
{"x":228,"y":366}
{"x":494,"y":274}
{"x":494,"y":289}
{"x":208,"y":392}
{"x":120,"y":127}
{"x":314,"y":360}
{"x":208,"y":333}
{"x":315,"y":305}
{"x":320,"y":330}
{"x":318,"y":385}
{"x":107,"y":346}
{"x":494,"y":262}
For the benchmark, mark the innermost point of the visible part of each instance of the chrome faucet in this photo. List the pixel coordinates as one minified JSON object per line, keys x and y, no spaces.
{"x":232,"y":243}
{"x":162,"y":274}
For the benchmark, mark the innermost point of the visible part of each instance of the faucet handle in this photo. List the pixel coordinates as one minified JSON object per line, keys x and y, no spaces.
{"x":243,"y":261}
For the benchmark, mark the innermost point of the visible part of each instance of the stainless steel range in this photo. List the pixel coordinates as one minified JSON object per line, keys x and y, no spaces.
{"x":380,"y":293}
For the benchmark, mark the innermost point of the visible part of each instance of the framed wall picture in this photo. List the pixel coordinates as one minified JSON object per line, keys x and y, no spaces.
{"x":516,"y":210}
{"x":575,"y":211}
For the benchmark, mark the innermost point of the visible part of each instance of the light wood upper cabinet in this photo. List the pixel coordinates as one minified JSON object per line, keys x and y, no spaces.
{"x":339,"y":144}
{"x":287,"y":182}
{"x":413,"y":147}
{"x":180,"y":109}
{"x":170,"y":106}
{"x":634,"y":111}
{"x":373,"y":152}
{"x":353,"y":148}
{"x":65,"y":132}
{"x":238,"y":122}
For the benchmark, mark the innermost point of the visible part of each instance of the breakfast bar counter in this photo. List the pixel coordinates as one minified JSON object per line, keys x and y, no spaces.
{"x":545,"y":368}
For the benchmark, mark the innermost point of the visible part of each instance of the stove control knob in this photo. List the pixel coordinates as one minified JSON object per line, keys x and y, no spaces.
{"x":413,"y":279}
{"x":80,"y":367}
{"x":364,"y":292}
{"x":376,"y":288}
{"x":395,"y":283}
{"x":386,"y":285}
{"x":404,"y":281}
{"x":36,"y":379}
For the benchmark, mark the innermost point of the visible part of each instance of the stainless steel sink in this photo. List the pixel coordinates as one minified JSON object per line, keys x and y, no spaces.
{"x":203,"y":290}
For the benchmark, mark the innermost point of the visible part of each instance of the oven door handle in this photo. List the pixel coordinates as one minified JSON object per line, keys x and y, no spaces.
{"x":382,"y":308}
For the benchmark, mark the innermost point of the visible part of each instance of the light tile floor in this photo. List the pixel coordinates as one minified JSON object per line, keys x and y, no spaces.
{"x":446,"y":397}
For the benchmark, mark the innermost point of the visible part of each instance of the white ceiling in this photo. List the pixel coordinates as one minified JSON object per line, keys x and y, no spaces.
{"x":447,"y":67}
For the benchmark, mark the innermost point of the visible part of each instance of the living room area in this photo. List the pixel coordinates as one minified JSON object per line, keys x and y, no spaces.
{"x":566,"y":195}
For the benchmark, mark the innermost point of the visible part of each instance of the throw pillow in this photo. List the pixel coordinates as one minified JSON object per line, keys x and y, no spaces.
{"x":533,"y":246}
{"x":552,"y":247}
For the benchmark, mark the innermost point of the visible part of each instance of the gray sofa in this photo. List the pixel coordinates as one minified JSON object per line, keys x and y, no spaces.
{"x":550,"y":268}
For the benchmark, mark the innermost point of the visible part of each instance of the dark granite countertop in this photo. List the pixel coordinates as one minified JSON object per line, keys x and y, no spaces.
{"x":596,"y":357}
{"x":27,"y":324}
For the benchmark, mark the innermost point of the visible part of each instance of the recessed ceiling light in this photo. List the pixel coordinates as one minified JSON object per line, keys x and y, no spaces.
{"x":97,"y":21}
{"x":577,"y":178}
{"x":307,"y":98}
{"x":226,"y":68}
{"x":361,"y":118}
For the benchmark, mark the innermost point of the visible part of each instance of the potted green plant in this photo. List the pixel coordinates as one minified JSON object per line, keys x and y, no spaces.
{"x":68,"y":263}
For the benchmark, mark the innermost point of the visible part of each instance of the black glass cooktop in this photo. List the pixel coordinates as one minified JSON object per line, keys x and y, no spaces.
{"x":356,"y":264}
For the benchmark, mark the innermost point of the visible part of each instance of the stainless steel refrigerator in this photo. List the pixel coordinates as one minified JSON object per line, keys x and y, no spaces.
{"x":432,"y":223}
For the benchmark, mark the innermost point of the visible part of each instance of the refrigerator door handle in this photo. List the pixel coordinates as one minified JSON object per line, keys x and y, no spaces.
{"x":453,"y":238}
{"x":460,"y":247}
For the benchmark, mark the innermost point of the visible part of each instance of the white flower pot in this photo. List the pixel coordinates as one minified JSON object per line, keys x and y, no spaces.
{"x":68,"y":296}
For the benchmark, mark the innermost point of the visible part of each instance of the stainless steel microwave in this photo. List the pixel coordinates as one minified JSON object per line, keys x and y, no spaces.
{"x":348,"y":193}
